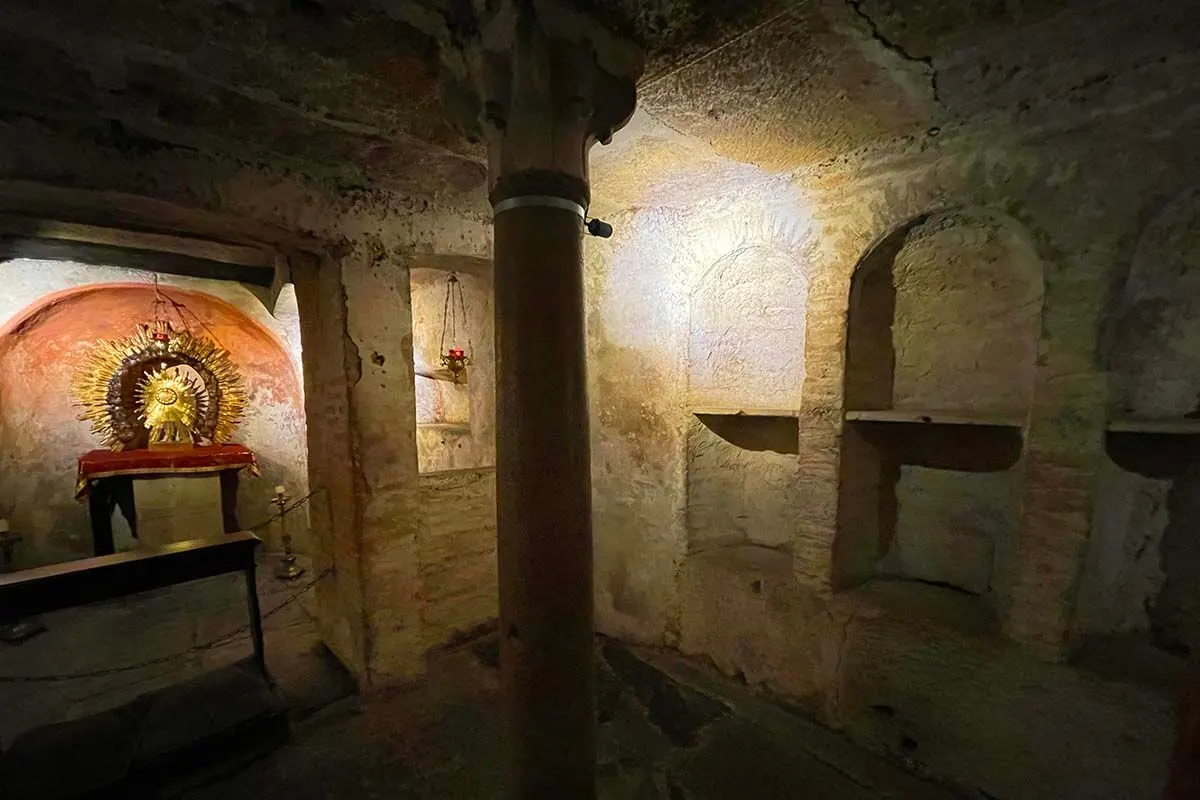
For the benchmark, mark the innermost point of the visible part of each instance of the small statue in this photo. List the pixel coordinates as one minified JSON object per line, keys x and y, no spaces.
{"x":160,"y":387}
{"x":169,"y":402}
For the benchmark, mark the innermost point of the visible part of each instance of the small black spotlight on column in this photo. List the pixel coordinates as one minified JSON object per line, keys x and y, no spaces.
{"x":598,"y":227}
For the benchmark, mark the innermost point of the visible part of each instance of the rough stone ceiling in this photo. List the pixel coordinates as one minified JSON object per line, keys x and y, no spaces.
{"x":830,"y":87}
{"x":329,"y":88}
{"x":348,"y":90}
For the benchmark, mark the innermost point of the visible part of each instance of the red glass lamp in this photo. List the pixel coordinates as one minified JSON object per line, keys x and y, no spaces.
{"x":454,"y":358}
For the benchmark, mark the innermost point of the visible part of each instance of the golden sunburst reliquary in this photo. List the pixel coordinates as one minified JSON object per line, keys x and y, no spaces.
{"x":160,"y":388}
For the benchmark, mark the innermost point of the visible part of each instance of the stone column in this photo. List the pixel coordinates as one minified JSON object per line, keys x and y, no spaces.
{"x":552,"y":86}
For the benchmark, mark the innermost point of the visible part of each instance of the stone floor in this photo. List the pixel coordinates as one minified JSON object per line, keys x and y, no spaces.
{"x":668,"y":729}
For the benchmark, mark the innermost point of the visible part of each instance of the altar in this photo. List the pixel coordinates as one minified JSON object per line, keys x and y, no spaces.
{"x":166,"y":495}
{"x":164,"y":402}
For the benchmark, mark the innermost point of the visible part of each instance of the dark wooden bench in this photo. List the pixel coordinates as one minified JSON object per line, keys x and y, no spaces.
{"x":172,"y":736}
{"x":36,"y":591}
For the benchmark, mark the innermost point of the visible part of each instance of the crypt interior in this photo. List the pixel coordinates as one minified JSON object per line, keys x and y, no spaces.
{"x":680,"y":399}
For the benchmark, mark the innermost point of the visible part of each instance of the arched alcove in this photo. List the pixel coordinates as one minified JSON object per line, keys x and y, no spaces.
{"x":745,"y":370}
{"x":1143,"y":570}
{"x":943,"y":327}
{"x":41,"y":436}
{"x":454,"y":419}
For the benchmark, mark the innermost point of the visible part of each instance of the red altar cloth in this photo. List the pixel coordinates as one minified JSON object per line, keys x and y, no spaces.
{"x":107,"y":463}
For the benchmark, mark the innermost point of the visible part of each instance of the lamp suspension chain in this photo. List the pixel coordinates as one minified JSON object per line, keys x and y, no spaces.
{"x":462,"y":305}
{"x":455,"y":358}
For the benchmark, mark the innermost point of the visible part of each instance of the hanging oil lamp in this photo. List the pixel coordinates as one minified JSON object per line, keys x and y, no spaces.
{"x":454,"y":357}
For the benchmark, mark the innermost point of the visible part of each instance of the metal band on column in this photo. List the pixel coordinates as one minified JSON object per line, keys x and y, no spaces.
{"x":539,"y":201}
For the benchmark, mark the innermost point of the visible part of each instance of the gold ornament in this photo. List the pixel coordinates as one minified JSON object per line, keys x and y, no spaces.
{"x":169,"y":400}
{"x":138,"y":391}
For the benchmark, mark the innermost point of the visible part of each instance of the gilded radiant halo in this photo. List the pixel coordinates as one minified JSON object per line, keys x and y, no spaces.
{"x":160,"y":387}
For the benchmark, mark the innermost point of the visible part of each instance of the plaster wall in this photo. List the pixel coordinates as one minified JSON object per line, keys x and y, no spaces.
{"x":55,"y":311}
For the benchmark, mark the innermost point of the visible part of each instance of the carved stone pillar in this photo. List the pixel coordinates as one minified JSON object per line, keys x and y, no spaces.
{"x":552,"y":85}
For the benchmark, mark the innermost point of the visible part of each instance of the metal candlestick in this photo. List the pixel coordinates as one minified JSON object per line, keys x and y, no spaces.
{"x":288,"y":570}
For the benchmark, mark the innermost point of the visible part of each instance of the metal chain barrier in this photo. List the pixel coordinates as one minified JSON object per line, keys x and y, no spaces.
{"x":224,"y":639}
{"x":286,"y":511}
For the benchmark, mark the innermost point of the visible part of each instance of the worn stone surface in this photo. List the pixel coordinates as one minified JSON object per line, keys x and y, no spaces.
{"x":746,"y":331}
{"x":918,"y":672}
{"x":666,"y":730}
{"x":457,"y":553}
{"x":1154,"y":328}
{"x":739,"y":491}
{"x":1141,"y":562}
{"x":1124,"y":572}
{"x":949,"y":526}
{"x":968,"y":297}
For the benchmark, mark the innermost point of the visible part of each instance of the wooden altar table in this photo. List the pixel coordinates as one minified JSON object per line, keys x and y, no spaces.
{"x":106,"y":479}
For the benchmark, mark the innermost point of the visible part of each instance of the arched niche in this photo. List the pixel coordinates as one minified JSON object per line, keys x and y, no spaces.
{"x":455,"y":421}
{"x":745,"y":375}
{"x":41,"y":436}
{"x":1154,"y":371}
{"x":945,"y":315}
{"x":943,"y":326}
{"x":1143,"y":570}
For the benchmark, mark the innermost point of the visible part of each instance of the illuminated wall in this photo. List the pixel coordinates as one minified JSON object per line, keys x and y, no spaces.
{"x":52,"y":313}
{"x":697,"y":306}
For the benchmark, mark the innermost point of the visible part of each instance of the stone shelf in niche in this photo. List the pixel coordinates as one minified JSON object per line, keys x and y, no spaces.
{"x":1179,"y":426}
{"x":730,"y":411}
{"x":445,"y":427}
{"x":441,"y":375}
{"x":935,"y":417}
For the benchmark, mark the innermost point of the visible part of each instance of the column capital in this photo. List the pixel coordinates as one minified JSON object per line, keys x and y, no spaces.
{"x":552,"y":83}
